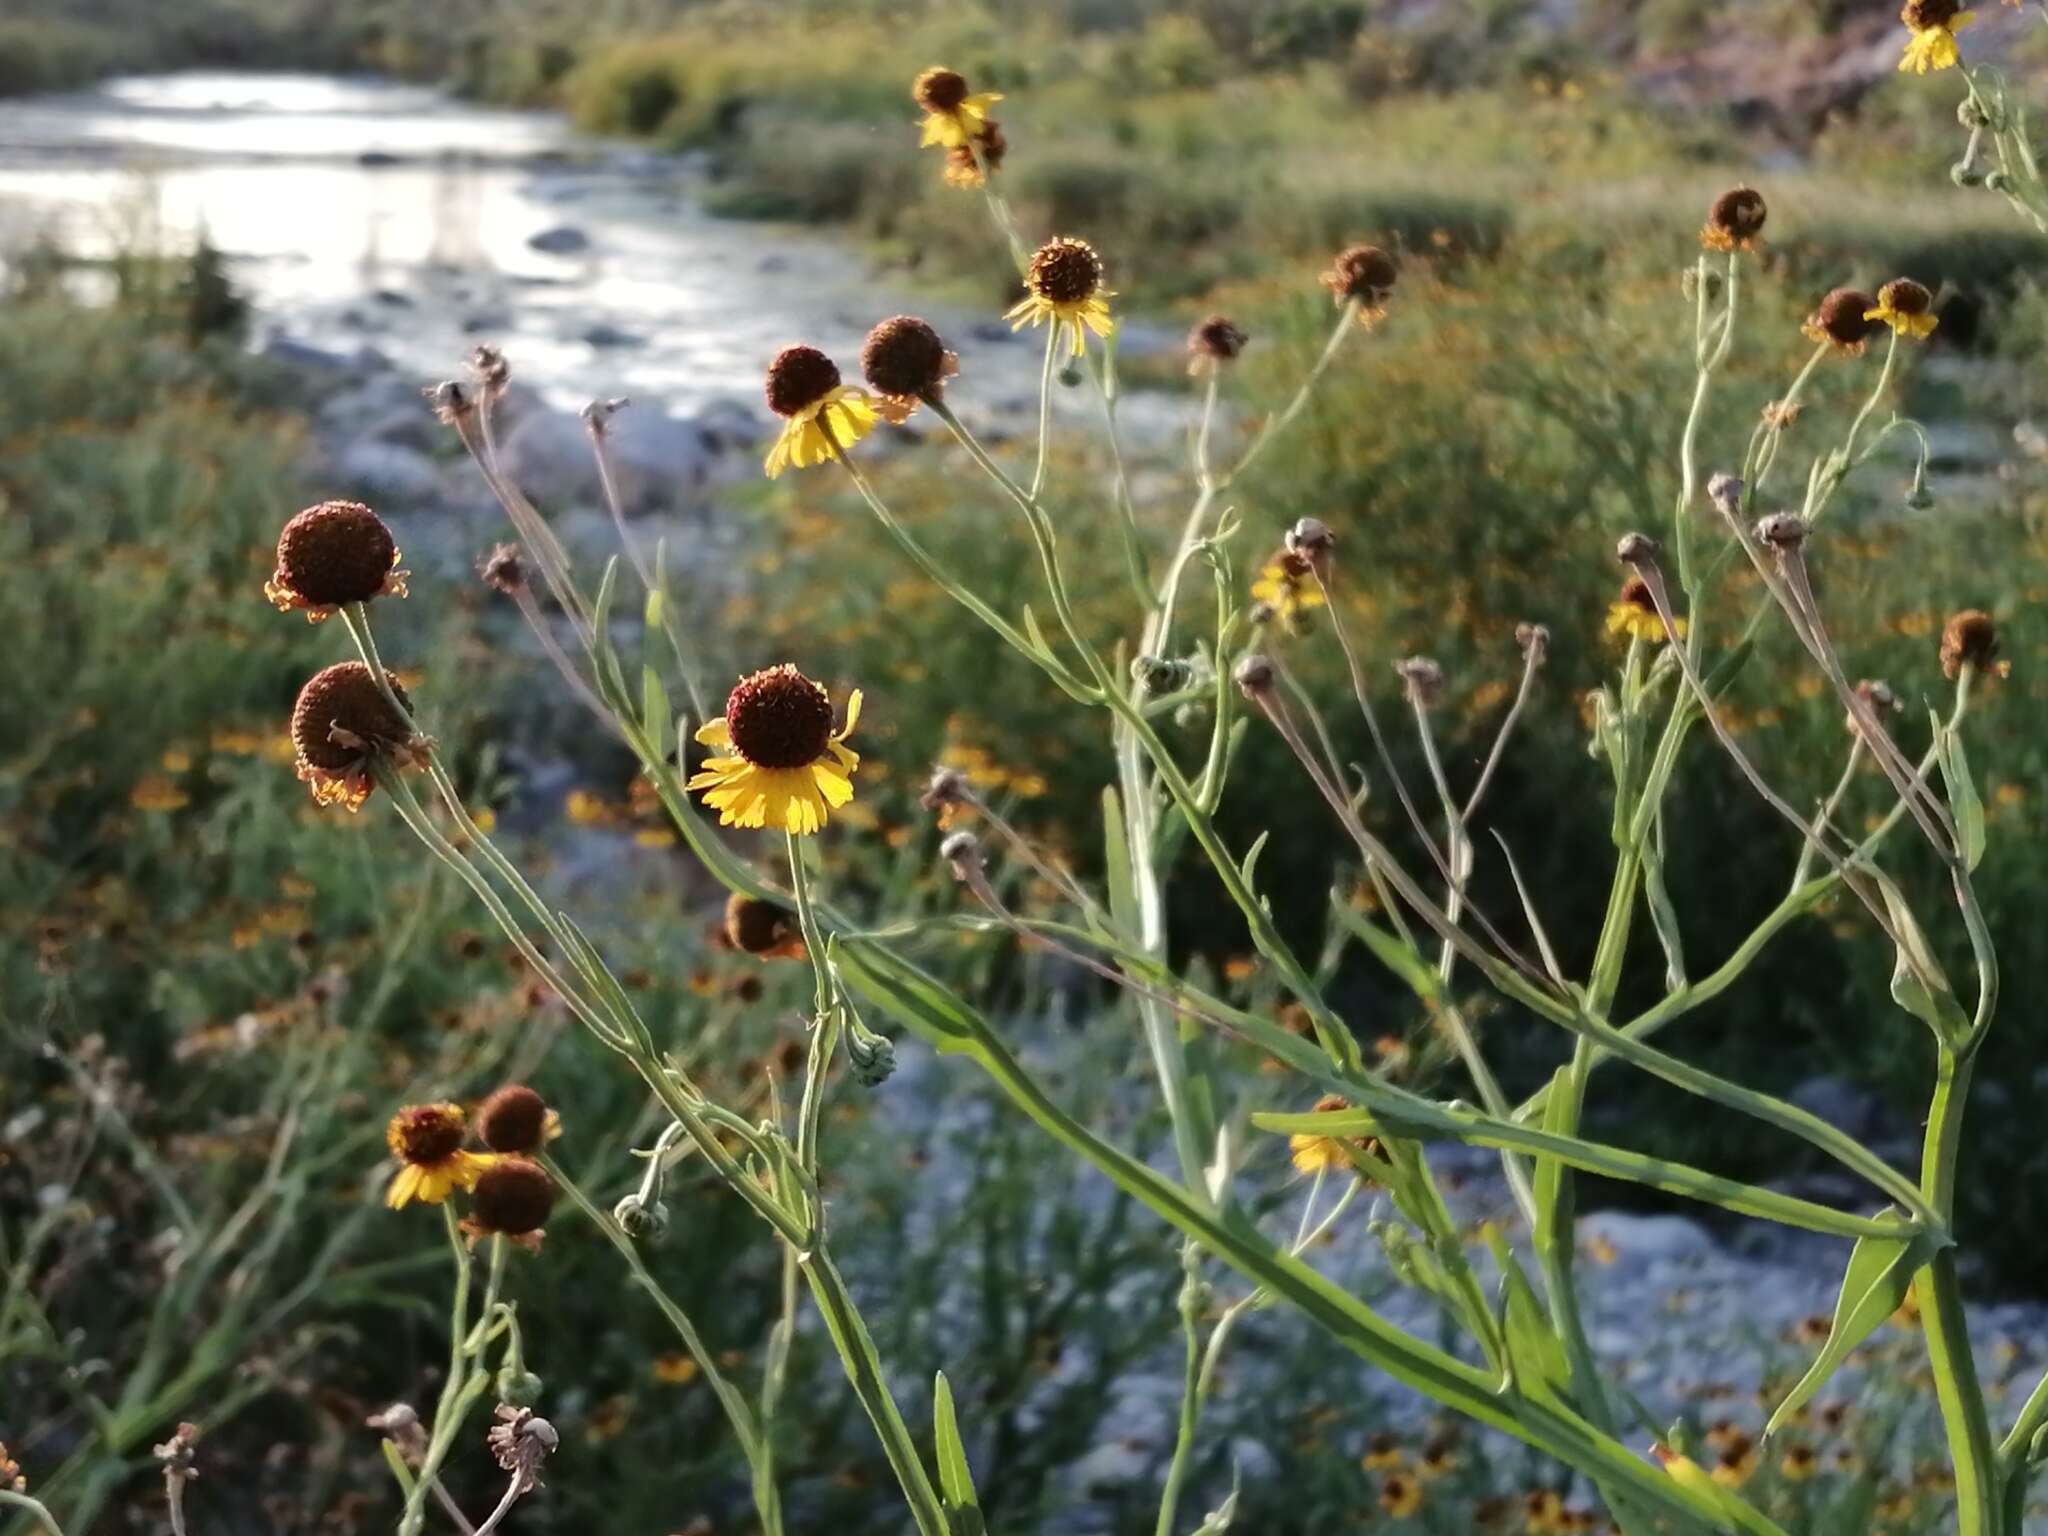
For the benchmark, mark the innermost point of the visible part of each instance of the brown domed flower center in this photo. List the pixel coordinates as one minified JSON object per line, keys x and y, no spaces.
{"x":1922,"y":14}
{"x":1363,"y":272}
{"x":426,"y":1134}
{"x":1903,"y":296}
{"x":513,"y":1197}
{"x":345,"y":698}
{"x":336,"y":552}
{"x":1841,"y":314}
{"x":1065,"y":271}
{"x":940,"y":90}
{"x":1739,"y":213}
{"x":779,"y":719}
{"x":1636,"y":593}
{"x":798,"y":378}
{"x":904,"y":356}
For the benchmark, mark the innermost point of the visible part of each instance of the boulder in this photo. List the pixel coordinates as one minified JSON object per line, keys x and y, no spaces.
{"x":560,"y":240}
{"x":659,"y":459}
{"x":386,"y":474}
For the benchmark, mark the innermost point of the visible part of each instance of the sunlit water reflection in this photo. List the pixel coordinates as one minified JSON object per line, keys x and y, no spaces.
{"x":363,"y":212}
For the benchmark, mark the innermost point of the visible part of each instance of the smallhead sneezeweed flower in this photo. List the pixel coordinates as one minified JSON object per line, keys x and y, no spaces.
{"x":516,"y":1119}
{"x":1364,"y":273}
{"x":971,"y":164}
{"x":1634,"y":614}
{"x":1735,"y":222}
{"x":1970,"y":638}
{"x":427,"y":1140}
{"x":1314,"y":1154}
{"x":952,"y":113}
{"x":762,"y":929}
{"x":1064,"y":285}
{"x":331,"y":554}
{"x":905,"y":362}
{"x":823,"y":416}
{"x":780,"y":763}
{"x":1934,"y":25}
{"x":342,"y":726}
{"x":1906,"y":306}
{"x":510,"y":1198}
{"x":1216,"y":341}
{"x":1286,"y":585}
{"x":1842,"y":318}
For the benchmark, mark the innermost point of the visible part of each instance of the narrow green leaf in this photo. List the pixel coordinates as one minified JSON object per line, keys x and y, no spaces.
{"x":1250,"y":862}
{"x":1557,"y":1120}
{"x":1880,"y":1273}
{"x":655,"y":714}
{"x":956,"y":1480}
{"x":1963,"y":801}
{"x":1401,"y":958}
{"x":1116,"y":859}
{"x":651,"y":614}
{"x":1534,"y":1352}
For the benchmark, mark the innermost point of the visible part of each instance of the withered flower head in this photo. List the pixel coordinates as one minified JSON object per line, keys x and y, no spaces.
{"x":515,"y":1119}
{"x":1970,"y":639}
{"x":971,"y":164}
{"x":1254,"y":675}
{"x":1735,"y":220}
{"x":762,"y":929}
{"x":342,"y":727}
{"x":904,"y":359}
{"x":799,"y":377}
{"x":512,"y":1198}
{"x":503,"y":570}
{"x":1216,"y":341}
{"x":334,"y":553}
{"x":939,"y":90}
{"x":521,"y":1443}
{"x":1064,"y":271}
{"x":11,"y":1477}
{"x":1364,"y":273}
{"x":1842,"y":318}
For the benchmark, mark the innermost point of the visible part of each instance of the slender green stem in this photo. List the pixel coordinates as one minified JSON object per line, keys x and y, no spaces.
{"x":9,"y":1499}
{"x":1052,"y":343}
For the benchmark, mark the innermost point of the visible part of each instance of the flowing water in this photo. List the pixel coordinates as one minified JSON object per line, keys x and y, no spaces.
{"x":358,"y":211}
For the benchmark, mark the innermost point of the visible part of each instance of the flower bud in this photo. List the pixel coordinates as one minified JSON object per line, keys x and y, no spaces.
{"x":1254,"y":675}
{"x":1635,"y":548}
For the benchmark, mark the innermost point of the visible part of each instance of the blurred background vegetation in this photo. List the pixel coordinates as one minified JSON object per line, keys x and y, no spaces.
{"x":213,"y":971}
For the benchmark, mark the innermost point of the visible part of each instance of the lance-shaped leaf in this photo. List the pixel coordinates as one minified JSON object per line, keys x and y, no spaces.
{"x":956,"y":1481}
{"x":1402,"y":958}
{"x":1880,"y":1273}
{"x":1919,"y":984}
{"x":1964,"y":803}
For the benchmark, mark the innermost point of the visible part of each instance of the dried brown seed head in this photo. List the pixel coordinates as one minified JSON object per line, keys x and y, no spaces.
{"x":503,"y":570}
{"x":513,"y":1119}
{"x":1362,"y":272}
{"x":905,"y":357}
{"x":1839,"y":318}
{"x":512,"y":1197}
{"x":1735,"y":220}
{"x":759,"y":927}
{"x":1217,"y":339}
{"x":1970,"y":638}
{"x":333,"y":553}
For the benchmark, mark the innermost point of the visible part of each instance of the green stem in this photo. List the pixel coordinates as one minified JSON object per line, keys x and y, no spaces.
{"x":1956,"y":1386}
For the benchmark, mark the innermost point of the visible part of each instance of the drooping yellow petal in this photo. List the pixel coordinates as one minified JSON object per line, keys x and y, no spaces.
{"x":404,"y":1186}
{"x":852,"y":715}
{"x":712,"y":733}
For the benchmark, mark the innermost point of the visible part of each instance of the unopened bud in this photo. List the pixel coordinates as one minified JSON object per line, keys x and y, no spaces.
{"x":1725,"y":492}
{"x":1423,"y":679}
{"x":1635,"y":548}
{"x":1311,"y":538}
{"x":1781,"y":530}
{"x":963,"y":851}
{"x":1254,"y":675}
{"x":1964,"y":174}
{"x":948,"y":786}
{"x":521,"y":1389}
